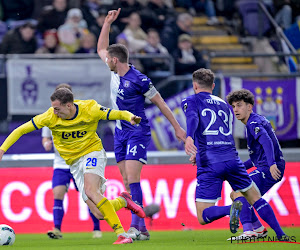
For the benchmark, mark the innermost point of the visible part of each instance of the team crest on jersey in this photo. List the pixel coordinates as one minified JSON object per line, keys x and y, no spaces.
{"x":185,"y":107}
{"x":257,"y":129}
{"x":126,"y":84}
{"x":151,"y":85}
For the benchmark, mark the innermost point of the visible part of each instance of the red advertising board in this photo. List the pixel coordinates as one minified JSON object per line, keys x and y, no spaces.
{"x":26,"y":199}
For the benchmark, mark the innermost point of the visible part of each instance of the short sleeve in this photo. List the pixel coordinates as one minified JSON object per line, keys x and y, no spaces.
{"x":43,"y":120}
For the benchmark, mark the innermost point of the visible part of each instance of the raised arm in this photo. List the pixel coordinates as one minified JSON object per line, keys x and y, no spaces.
{"x":161,"y":104}
{"x":103,"y":40}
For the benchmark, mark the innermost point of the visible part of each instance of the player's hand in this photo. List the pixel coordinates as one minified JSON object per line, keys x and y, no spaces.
{"x":275,"y":172}
{"x":190,"y":148}
{"x":48,"y":145}
{"x":135,"y":120}
{"x":112,"y":16}
{"x":1,"y":154}
{"x":193,"y":160}
{"x":180,"y":134}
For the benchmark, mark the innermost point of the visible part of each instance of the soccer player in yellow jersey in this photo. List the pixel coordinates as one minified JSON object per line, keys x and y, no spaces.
{"x":73,"y":125}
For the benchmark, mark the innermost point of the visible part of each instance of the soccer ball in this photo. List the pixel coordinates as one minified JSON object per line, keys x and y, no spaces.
{"x":7,"y":235}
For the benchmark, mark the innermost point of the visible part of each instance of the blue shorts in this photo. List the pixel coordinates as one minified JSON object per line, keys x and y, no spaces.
{"x":130,"y":145}
{"x":62,"y":177}
{"x":263,"y":178}
{"x":210,"y":179}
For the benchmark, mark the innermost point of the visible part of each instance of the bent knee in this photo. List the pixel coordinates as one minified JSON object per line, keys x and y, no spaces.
{"x":201,"y":221}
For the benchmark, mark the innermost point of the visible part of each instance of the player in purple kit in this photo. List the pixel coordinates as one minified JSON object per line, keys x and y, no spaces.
{"x":265,"y":155}
{"x":129,"y":88}
{"x":209,"y":126}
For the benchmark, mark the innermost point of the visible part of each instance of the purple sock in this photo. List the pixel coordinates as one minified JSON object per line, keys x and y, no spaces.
{"x":58,"y":213}
{"x":213,"y":213}
{"x":95,"y":221}
{"x":255,"y":221}
{"x":246,"y":214}
{"x":142,"y":225}
{"x":266,"y":213}
{"x":137,"y":197}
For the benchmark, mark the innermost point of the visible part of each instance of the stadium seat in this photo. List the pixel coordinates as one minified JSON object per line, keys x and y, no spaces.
{"x":251,"y":15}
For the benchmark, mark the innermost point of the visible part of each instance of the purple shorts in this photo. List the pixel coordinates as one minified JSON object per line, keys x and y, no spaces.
{"x":62,"y":177}
{"x":130,"y":145}
{"x":210,"y":179}
{"x":263,"y":178}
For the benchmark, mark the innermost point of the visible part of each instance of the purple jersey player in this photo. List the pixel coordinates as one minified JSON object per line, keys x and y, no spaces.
{"x":211,"y":146}
{"x":129,"y":88}
{"x":265,"y":155}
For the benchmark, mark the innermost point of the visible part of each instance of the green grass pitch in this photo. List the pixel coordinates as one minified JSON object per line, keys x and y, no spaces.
{"x":200,"y":239}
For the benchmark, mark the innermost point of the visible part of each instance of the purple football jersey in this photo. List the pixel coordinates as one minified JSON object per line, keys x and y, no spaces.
{"x":209,"y":123}
{"x":128,"y":93}
{"x":263,"y":146}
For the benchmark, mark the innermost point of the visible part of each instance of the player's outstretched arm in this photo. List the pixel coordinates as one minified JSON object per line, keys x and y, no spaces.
{"x":161,"y":104}
{"x":103,"y":40}
{"x":15,"y":135}
{"x":124,"y":115}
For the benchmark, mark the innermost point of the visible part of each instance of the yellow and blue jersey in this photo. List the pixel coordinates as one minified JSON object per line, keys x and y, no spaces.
{"x":74,"y":137}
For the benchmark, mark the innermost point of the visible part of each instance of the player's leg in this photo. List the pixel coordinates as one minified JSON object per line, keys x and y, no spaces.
{"x":245,"y":217}
{"x":60,"y":182}
{"x":96,"y":223}
{"x":137,"y":226}
{"x":264,"y":210}
{"x":208,"y":192}
{"x":96,"y":229}
{"x":136,"y":156}
{"x":121,"y":166}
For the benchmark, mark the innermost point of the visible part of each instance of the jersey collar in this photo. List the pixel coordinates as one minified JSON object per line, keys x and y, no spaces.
{"x":75,"y":113}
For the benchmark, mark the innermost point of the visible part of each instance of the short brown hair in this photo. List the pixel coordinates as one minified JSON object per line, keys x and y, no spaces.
{"x":240,"y":95}
{"x":204,"y":77}
{"x":64,"y":85}
{"x":63,"y":95}
{"x":119,"y":51}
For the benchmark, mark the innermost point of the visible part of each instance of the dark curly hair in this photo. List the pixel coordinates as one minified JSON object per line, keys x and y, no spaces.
{"x":240,"y":95}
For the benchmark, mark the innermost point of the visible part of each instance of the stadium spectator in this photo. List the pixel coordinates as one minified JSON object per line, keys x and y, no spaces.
{"x":17,"y":10}
{"x":187,"y":59}
{"x":128,"y":7}
{"x":96,"y":28}
{"x":89,"y":10}
{"x":71,"y":31}
{"x":156,"y":13}
{"x":60,"y":184}
{"x":283,"y":13}
{"x":136,"y":37}
{"x":210,"y":145}
{"x":154,"y":47}
{"x":40,"y":6}
{"x":264,"y":152}
{"x":87,"y":44}
{"x":195,"y":6}
{"x":20,"y":40}
{"x":86,"y":156}
{"x":51,"y":44}
{"x":129,"y":89}
{"x":171,"y":32}
{"x":52,"y":18}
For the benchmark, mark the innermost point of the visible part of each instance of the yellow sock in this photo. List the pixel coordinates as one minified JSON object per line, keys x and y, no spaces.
{"x":118,"y":203}
{"x":109,"y":213}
